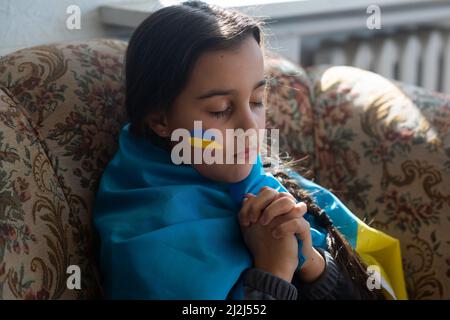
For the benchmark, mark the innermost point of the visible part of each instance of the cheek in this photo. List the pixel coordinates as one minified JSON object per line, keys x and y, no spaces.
{"x":262,"y":119}
{"x":260,"y":122}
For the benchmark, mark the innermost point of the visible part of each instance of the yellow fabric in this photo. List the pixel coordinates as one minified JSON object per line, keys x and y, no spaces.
{"x":377,"y":248}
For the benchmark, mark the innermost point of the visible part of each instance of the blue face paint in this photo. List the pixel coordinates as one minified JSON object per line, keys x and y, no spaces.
{"x":202,"y":138}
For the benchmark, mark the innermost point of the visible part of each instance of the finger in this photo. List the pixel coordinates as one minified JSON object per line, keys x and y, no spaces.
{"x":262,"y":200}
{"x":295,"y":226}
{"x":297,"y":212}
{"x":278,"y":207}
{"x":243,"y":213}
{"x":287,"y":194}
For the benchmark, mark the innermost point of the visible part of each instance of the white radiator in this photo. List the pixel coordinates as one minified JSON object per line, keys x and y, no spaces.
{"x":418,"y":57}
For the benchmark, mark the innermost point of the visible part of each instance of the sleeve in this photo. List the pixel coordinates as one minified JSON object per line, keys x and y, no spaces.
{"x":262,"y":285}
{"x":332,"y":284}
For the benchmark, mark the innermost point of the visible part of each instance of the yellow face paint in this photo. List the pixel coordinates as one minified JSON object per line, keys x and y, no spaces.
{"x":203,"y":143}
{"x":200,"y":140}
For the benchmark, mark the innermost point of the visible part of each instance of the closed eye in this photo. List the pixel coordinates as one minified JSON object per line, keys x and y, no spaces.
{"x":225,"y":113}
{"x":258,"y":104}
{"x":220,"y":114}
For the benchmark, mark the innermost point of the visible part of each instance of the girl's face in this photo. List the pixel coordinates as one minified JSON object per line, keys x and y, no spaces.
{"x":226,"y":90}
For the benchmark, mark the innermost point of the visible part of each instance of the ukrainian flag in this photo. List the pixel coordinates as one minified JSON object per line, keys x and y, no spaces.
{"x":376,"y":248}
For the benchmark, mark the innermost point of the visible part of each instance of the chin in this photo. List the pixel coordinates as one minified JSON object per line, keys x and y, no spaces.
{"x":239,"y":172}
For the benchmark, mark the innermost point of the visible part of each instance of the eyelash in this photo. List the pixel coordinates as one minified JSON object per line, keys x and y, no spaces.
{"x":220,"y":114}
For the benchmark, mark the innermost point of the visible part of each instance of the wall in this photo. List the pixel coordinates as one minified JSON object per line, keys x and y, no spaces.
{"x":25,"y":23}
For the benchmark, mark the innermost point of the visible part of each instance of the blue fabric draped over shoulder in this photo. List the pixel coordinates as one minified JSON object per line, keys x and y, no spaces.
{"x":167,"y":232}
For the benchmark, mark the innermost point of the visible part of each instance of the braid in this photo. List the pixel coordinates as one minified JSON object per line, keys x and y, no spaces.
{"x":343,"y":253}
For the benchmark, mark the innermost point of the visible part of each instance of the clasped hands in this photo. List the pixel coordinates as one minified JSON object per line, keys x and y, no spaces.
{"x":269,"y":224}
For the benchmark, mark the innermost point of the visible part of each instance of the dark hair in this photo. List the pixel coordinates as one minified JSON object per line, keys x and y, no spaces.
{"x":343,"y":253}
{"x":161,"y":54}
{"x":164,"y":48}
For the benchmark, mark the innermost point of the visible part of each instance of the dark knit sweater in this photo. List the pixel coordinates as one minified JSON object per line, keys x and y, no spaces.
{"x":331,"y":284}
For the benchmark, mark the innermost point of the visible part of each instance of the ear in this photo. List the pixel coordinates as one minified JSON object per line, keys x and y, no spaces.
{"x":157,"y":121}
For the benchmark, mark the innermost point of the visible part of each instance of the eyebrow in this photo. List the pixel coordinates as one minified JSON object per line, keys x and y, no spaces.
{"x":217,"y":92}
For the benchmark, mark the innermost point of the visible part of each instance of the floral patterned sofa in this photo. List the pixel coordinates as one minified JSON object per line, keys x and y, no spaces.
{"x":382,"y":147}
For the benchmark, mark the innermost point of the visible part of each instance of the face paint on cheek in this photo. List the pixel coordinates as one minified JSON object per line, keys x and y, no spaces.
{"x":202,"y":139}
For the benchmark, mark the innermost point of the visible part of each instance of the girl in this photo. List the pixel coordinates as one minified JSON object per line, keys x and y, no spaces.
{"x":168,"y":231}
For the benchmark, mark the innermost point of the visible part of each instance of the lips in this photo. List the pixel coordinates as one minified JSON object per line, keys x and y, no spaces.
{"x":246,"y":153}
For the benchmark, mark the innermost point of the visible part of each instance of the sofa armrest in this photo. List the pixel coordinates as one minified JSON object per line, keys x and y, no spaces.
{"x":384,"y":148}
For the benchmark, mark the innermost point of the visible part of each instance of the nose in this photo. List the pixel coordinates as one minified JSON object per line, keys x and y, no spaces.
{"x":246,"y":119}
